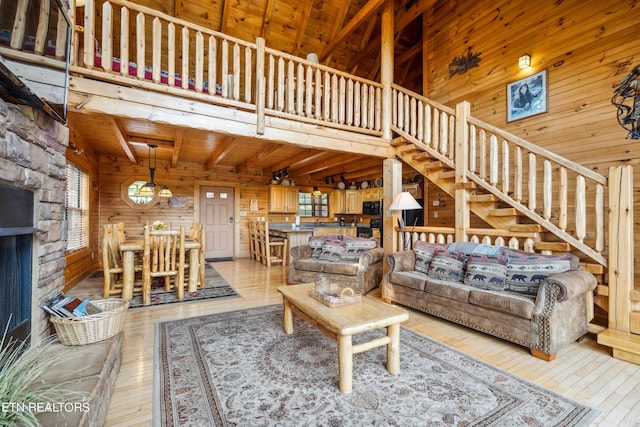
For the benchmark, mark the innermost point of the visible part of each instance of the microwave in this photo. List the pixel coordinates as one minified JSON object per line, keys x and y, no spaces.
{"x":371,"y":208}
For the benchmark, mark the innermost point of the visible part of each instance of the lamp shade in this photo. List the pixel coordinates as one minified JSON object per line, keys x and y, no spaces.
{"x":165,"y":192}
{"x":404,"y":201}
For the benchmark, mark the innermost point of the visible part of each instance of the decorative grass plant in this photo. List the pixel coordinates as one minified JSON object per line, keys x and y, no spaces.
{"x":21,"y":384}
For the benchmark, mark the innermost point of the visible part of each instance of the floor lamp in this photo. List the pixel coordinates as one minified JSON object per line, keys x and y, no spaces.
{"x":404,"y":201}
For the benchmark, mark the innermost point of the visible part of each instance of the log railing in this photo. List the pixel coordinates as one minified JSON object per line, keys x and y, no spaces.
{"x":428,"y":124}
{"x":566,"y":198}
{"x":445,"y":235}
{"x":305,"y":91}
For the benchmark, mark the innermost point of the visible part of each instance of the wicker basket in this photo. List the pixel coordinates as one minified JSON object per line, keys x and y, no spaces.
{"x":94,"y":327}
{"x":336,"y":295}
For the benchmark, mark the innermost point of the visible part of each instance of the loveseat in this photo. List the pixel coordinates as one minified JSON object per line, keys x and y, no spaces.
{"x":533,"y":300}
{"x":349,"y":261}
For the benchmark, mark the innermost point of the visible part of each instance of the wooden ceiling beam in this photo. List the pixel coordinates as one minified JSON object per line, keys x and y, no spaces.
{"x":302,"y":26}
{"x":409,"y":54}
{"x":222,"y":149}
{"x":346,"y":167}
{"x":177,"y":145}
{"x":119,"y":133}
{"x":413,"y":13}
{"x":298,"y":160}
{"x":363,"y":14}
{"x":330,"y":160}
{"x":339,"y":22}
{"x":266,"y":18}
{"x":261,"y":155}
{"x":225,"y":16}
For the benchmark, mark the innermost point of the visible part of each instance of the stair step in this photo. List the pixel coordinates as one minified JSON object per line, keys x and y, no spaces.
{"x":409,"y":149}
{"x":397,"y":142}
{"x":482,"y":198}
{"x":447,"y":175}
{"x":553,"y":246}
{"x":592,"y":268}
{"x":421,"y":156}
{"x":503,"y":212}
{"x":626,"y":346}
{"x":526,"y":227}
{"x":433,"y":165}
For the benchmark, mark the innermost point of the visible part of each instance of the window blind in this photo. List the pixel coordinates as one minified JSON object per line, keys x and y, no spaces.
{"x":77,"y":208}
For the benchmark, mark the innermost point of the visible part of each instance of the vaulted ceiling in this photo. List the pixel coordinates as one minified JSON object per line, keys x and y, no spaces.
{"x":345,"y":34}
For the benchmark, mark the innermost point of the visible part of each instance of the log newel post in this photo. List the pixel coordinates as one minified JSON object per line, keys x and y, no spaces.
{"x":260,"y":85}
{"x":621,"y":235}
{"x":462,"y":215}
{"x":386,"y":67}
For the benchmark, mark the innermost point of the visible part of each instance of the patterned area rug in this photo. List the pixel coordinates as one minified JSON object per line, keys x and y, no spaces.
{"x":215,"y":287}
{"x":240,"y":369}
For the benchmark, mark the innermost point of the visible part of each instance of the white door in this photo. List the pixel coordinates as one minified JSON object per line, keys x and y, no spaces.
{"x":216,"y":215}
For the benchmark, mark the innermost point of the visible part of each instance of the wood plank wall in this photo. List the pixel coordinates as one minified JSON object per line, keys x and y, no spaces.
{"x":84,"y":261}
{"x":587,"y":47}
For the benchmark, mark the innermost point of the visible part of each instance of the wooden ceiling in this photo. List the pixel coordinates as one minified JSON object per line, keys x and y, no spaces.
{"x":345,"y":34}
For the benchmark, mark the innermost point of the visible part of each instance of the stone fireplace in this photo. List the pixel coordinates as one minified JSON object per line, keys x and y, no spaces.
{"x":32,"y":162}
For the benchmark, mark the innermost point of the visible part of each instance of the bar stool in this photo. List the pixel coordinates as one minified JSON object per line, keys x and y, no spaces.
{"x":254,"y":243}
{"x":273,"y":249}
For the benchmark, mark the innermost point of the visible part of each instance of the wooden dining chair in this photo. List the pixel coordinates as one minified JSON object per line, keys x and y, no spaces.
{"x":197,"y":234}
{"x":163,"y":256}
{"x":112,"y":236}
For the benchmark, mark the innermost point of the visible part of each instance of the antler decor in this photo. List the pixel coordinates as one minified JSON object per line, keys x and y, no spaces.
{"x":627,"y":98}
{"x":464,"y":62}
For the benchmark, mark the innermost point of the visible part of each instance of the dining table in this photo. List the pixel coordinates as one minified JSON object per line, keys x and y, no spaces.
{"x":130,"y":246}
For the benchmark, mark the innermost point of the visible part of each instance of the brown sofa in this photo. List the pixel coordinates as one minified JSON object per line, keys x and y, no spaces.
{"x":539,"y":307}
{"x":362,"y":272}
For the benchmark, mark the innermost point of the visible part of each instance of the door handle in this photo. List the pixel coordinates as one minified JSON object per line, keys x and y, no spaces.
{"x":231,"y":219}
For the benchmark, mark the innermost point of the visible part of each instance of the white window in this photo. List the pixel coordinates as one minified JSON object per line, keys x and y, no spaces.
{"x":77,"y":208}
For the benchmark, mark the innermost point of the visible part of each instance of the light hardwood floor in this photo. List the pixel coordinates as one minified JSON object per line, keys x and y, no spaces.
{"x":582,"y":371}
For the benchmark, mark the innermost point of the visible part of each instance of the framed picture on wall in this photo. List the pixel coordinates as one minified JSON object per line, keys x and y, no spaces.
{"x":527,"y":97}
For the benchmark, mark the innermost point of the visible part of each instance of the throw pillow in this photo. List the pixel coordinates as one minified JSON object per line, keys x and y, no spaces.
{"x":447,"y":266}
{"x":355,"y":246}
{"x":486,"y":272}
{"x":424,"y":254}
{"x":526,"y":272}
{"x":316,"y":243}
{"x":332,"y":251}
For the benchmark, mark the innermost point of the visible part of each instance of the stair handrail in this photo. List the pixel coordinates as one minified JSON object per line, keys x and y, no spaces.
{"x":484,"y":156}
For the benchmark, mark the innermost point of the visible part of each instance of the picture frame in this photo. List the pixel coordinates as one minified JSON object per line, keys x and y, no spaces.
{"x":527,"y":97}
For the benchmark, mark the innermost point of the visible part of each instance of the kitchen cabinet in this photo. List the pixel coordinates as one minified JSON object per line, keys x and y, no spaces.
{"x":371,"y":194}
{"x":337,"y":202}
{"x":353,"y":203}
{"x":283,"y":199}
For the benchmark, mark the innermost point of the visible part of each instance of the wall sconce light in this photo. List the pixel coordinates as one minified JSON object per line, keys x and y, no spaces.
{"x":524,"y":61}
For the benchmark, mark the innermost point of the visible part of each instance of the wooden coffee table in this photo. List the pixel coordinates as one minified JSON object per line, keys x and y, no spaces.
{"x":341,"y":323}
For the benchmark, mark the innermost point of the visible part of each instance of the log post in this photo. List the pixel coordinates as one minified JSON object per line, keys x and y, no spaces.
{"x":463,"y":111}
{"x":620,"y":246}
{"x":386,"y":66}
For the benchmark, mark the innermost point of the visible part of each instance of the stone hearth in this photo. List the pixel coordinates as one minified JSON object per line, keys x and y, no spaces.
{"x":32,"y":157}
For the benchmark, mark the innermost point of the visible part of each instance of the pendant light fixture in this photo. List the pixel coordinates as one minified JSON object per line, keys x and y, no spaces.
{"x":149,"y":188}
